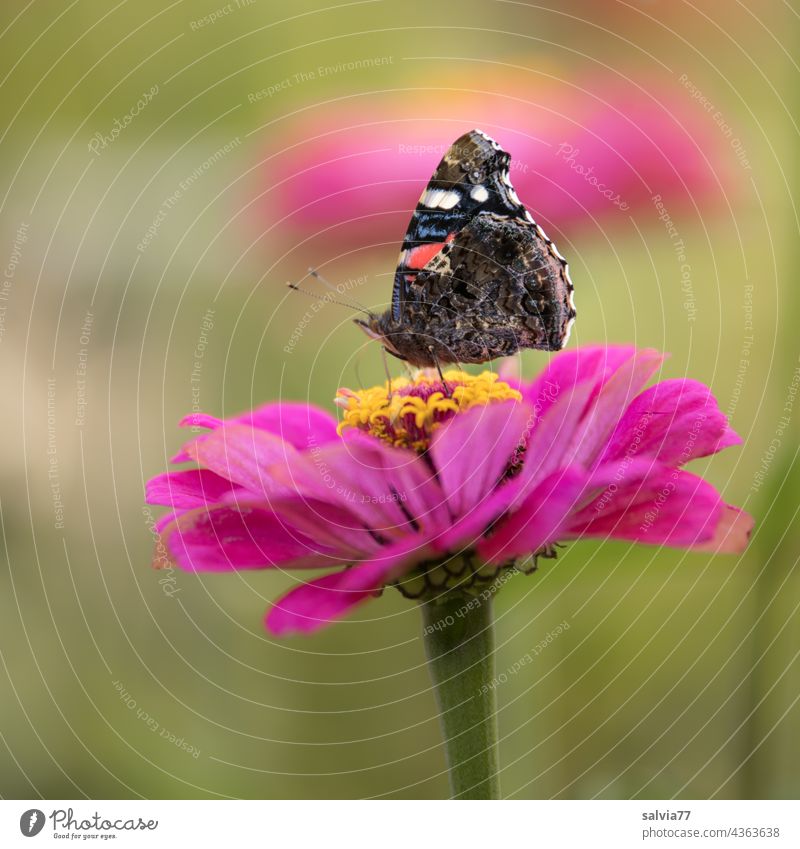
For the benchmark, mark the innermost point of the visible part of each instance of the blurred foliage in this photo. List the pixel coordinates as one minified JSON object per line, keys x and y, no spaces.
{"x":679,"y":673}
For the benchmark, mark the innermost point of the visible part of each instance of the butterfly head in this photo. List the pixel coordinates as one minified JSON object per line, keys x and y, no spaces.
{"x":416,"y":348}
{"x":382,"y":328}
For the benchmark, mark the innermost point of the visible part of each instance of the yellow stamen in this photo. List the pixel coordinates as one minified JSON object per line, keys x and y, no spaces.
{"x":416,"y":407}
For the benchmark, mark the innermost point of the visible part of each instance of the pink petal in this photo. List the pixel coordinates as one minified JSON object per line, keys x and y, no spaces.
{"x":420,"y":492}
{"x":667,"y":507}
{"x":188,"y":489}
{"x":200,"y":420}
{"x":392,"y":490}
{"x":732,"y":532}
{"x":224,"y":538}
{"x":368,"y":478}
{"x":674,"y":421}
{"x":301,"y":425}
{"x":540,"y":520}
{"x":577,"y":401}
{"x":467,"y":530}
{"x":567,"y":369}
{"x":473,"y":450}
{"x":340,"y":172}
{"x":195,"y":420}
{"x":312,"y":605}
{"x":611,"y":400}
{"x":554,"y":434}
{"x":166,"y":520}
{"x":242,"y":454}
{"x":329,"y":523}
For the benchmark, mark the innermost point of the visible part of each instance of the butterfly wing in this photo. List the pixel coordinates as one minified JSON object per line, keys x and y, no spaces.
{"x":470,"y":241}
{"x":495,"y":287}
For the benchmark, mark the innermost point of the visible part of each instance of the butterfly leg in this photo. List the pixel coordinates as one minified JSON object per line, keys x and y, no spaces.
{"x":388,"y":374}
{"x":447,"y":392}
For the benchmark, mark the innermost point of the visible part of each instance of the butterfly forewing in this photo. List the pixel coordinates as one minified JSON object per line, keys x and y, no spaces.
{"x":471,"y":178}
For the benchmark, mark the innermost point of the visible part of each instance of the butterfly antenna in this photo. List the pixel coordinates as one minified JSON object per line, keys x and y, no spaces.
{"x":328,"y":299}
{"x":355,"y":304}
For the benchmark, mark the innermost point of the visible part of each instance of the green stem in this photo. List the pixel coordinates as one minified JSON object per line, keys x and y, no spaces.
{"x":459,"y":642}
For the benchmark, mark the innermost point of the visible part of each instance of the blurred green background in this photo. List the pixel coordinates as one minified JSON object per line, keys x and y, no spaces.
{"x":679,"y":674}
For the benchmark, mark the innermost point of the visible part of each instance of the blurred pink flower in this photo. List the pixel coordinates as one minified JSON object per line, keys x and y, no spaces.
{"x":430,"y":493}
{"x":597,"y":148}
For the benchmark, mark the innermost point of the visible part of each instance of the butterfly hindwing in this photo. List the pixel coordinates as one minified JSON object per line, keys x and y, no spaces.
{"x":495,"y":288}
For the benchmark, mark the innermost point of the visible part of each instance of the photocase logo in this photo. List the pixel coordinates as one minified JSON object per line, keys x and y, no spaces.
{"x":31,"y":822}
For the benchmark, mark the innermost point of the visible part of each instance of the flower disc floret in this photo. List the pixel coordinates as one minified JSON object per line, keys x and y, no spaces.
{"x":406,"y":411}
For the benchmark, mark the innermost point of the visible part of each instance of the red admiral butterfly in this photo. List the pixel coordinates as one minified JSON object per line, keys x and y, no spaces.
{"x":477,"y":277}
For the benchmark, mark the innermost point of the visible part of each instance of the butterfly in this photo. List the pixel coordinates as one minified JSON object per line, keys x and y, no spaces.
{"x":477,"y":278}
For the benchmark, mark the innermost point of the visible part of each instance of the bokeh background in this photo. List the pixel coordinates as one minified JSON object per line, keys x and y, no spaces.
{"x":167,"y":167}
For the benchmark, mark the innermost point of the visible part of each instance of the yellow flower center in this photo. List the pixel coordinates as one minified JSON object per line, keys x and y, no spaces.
{"x":407,"y":411}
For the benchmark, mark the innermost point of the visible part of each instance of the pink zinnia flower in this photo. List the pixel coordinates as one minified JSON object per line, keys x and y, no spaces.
{"x":432,"y":491}
{"x":585,"y":152}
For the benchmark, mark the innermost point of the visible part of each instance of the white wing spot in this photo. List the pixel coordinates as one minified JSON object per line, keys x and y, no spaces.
{"x":480,"y":194}
{"x":571,"y":292}
{"x":440,"y":198}
{"x":567,"y":332}
{"x":431,"y":198}
{"x":488,"y":138}
{"x":449,"y":199}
